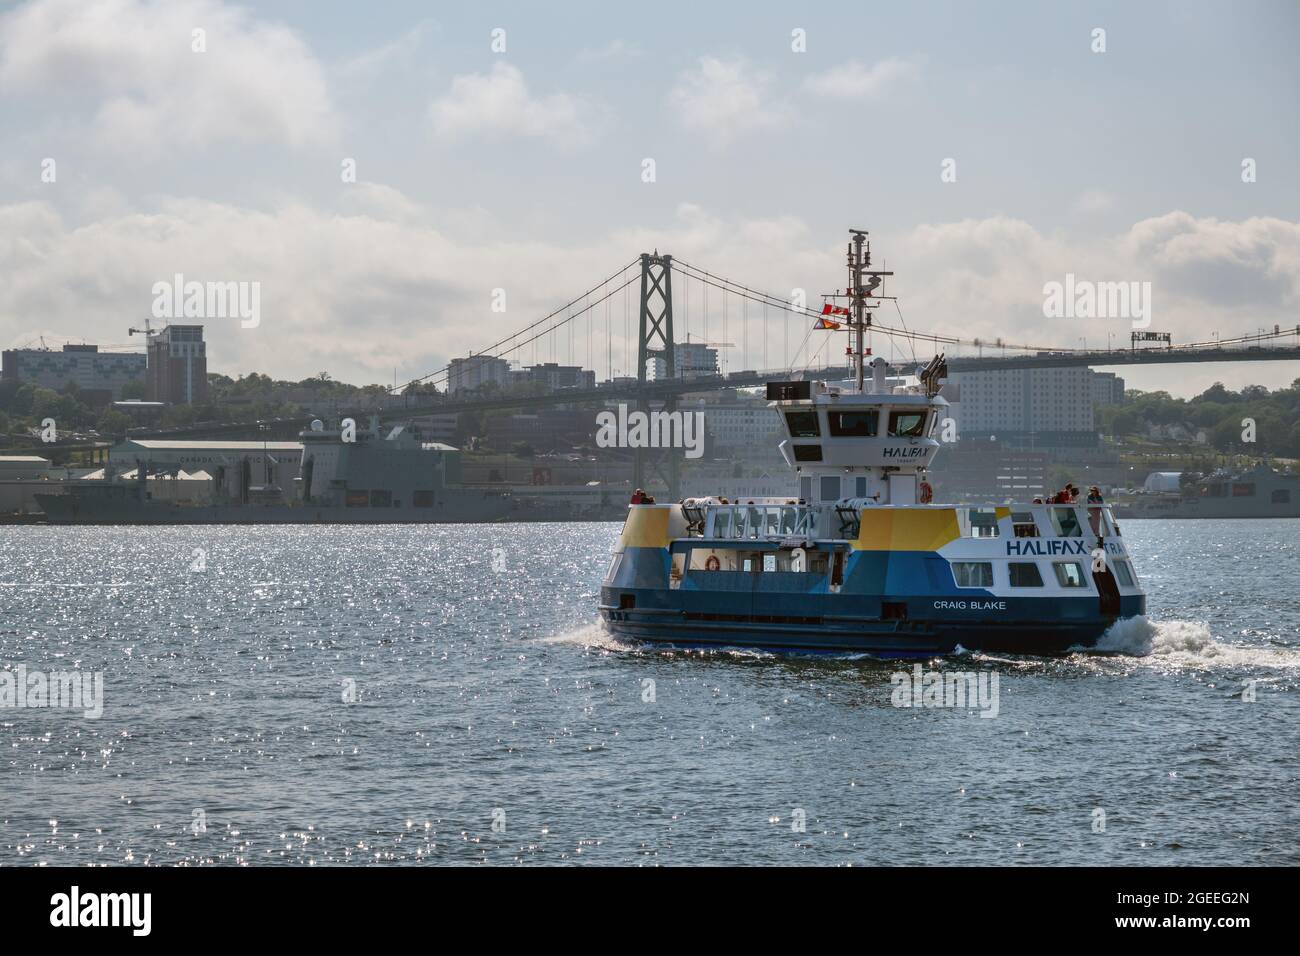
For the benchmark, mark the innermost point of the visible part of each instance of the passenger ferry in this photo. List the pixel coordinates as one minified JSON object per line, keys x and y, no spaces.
{"x":862,"y":560}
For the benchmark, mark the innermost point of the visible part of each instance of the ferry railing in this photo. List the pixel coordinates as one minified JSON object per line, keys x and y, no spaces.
{"x":760,"y":521}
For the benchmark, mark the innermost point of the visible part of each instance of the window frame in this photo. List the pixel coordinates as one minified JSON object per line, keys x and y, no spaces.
{"x":1060,"y":582}
{"x":835,"y":419}
{"x":893,"y":424}
{"x":1038,"y":573}
{"x":803,"y":412}
{"x":954,"y":565}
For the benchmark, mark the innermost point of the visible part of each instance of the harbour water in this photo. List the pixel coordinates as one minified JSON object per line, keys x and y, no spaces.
{"x":322,"y":695}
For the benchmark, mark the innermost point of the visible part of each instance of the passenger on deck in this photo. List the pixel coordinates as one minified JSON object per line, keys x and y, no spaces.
{"x":639,"y":497}
{"x":1094,"y":495}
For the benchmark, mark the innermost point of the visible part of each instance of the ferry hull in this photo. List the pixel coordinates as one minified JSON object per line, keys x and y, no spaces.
{"x":1049,"y":630}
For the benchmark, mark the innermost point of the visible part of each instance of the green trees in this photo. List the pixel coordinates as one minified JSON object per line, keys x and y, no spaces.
{"x":1218,"y":412}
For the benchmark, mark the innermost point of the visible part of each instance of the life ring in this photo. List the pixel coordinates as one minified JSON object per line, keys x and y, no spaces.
{"x":712,"y":564}
{"x":927,"y":493}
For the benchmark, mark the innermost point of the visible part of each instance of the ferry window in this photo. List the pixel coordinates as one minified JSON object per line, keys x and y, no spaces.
{"x":983,"y":522}
{"x":1244,"y":490}
{"x":861,"y":489}
{"x":1069,"y":574}
{"x":854,"y":424}
{"x":1024,"y":525}
{"x":907,"y":424}
{"x":381,"y":498}
{"x":1024,"y":574}
{"x":973,"y":574}
{"x":807,"y":452}
{"x":1066,"y":523}
{"x":805,"y":487}
{"x":830,"y":488}
{"x":1282,"y":496}
{"x":422,"y":499}
{"x":769,"y":562}
{"x":1123,"y":573}
{"x":803,"y":424}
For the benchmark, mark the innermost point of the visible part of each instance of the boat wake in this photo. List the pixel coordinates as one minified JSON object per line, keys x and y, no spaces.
{"x":593,"y":635}
{"x":1188,"y":644}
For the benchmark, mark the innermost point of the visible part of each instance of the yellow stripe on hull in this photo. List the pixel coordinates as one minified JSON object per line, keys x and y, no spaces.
{"x":645,"y":528}
{"x":906,"y":529}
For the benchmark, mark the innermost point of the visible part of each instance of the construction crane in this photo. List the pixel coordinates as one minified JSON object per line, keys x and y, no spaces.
{"x":146,"y":331}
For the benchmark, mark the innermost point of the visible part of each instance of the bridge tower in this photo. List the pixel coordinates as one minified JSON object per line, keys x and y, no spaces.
{"x":655,"y":340}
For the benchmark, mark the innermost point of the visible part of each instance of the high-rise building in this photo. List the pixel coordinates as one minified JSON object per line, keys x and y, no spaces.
{"x":98,"y":375}
{"x":178,"y":365}
{"x":692,"y":359}
{"x":555,"y":376}
{"x":1107,"y":389}
{"x":1027,"y":408}
{"x":472,"y":373}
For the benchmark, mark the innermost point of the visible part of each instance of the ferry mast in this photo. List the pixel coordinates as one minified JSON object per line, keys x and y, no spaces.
{"x":859,"y":257}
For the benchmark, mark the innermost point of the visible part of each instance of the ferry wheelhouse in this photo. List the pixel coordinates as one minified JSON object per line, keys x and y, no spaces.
{"x":861,"y":560}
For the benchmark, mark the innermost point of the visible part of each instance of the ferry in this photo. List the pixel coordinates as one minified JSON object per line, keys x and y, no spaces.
{"x":862,"y":560}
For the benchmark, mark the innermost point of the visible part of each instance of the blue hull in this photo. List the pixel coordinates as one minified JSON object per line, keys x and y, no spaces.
{"x":911,"y":637}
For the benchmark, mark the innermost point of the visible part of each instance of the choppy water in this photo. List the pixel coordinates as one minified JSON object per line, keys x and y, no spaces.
{"x":485,"y":692}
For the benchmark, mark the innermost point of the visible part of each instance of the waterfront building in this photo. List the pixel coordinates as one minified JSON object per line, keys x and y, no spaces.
{"x":99,"y":376}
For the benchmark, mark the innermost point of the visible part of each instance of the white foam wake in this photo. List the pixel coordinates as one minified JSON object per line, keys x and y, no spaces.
{"x":1189,"y":643}
{"x":594,"y":634}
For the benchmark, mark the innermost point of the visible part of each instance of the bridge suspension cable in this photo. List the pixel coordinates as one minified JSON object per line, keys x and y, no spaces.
{"x":490,"y":350}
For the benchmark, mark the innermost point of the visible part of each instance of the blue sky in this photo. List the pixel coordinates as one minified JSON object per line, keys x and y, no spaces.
{"x":521,"y":169}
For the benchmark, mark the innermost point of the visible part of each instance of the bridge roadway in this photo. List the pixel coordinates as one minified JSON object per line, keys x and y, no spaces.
{"x":656,"y":391}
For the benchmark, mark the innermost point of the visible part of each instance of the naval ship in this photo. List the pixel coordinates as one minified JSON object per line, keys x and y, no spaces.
{"x":366,"y":477}
{"x":1260,"y":492}
{"x":862,"y":560}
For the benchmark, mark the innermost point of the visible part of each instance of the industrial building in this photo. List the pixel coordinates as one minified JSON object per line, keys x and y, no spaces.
{"x":236,"y":468}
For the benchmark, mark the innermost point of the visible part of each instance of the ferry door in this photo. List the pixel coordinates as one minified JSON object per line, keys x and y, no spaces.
{"x":902,"y":489}
{"x":1108,"y":591}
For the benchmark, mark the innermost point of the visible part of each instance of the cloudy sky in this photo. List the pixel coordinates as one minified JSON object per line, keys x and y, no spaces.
{"x":481,"y":168}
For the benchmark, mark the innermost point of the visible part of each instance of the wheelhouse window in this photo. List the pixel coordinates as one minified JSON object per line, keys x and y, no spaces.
{"x":807,"y":452}
{"x":803,"y":424}
{"x":1025,"y":574}
{"x":854,"y":424}
{"x":973,"y":574}
{"x":1066,"y":523}
{"x":1024,"y":525}
{"x":907,"y":424}
{"x":1069,"y":574}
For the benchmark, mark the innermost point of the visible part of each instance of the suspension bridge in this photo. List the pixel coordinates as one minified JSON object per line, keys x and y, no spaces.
{"x":632,"y":319}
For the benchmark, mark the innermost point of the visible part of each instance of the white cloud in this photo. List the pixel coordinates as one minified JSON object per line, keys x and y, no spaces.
{"x":147,"y":90}
{"x":724,"y":99}
{"x":498,"y":104}
{"x":855,"y":80}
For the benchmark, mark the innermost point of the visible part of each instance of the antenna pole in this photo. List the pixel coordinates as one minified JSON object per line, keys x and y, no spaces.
{"x":856,"y":265}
